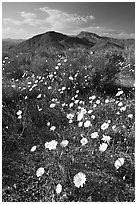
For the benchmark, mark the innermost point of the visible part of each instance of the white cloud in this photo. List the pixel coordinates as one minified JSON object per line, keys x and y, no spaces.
{"x":27,"y":15}
{"x":59,"y":21}
{"x":9,"y":21}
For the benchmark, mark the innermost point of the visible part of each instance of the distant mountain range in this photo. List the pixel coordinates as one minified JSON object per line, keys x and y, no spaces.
{"x":60,"y":41}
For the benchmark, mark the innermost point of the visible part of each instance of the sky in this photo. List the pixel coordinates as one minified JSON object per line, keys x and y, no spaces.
{"x":23,"y":20}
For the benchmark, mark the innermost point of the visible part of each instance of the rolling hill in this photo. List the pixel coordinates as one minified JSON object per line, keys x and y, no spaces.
{"x":59,"y":41}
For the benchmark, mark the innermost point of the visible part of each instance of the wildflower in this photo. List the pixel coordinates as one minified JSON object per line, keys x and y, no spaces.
{"x":84,"y":141}
{"x":76,"y":101}
{"x":56,"y":67}
{"x":64,"y":143}
{"x":70,"y":116}
{"x":106,"y":138}
{"x":90,"y":111}
{"x":94,"y":135}
{"x":80,"y":124}
{"x":48,"y":123}
{"x":104,"y":126}
{"x":119,"y":93}
{"x":25,"y":97}
{"x":33,"y":148}
{"x":40,"y":172}
{"x":94,"y":106}
{"x":19,"y":117}
{"x":52,"y":105}
{"x":52,"y":128}
{"x":39,"y":109}
{"x":130,"y":116}
{"x":79,"y":179}
{"x":80,"y":116}
{"x":109,"y":121}
{"x":93,"y":117}
{"x":98,"y":102}
{"x":87,"y":123}
{"x":39,"y":96}
{"x":51,"y":145}
{"x":103,"y":147}
{"x":71,"y":78}
{"x":123,"y":108}
{"x":19,"y":112}
{"x":113,"y":127}
{"x":119,"y":162}
{"x":71,"y":105}
{"x":63,"y":104}
{"x":70,"y":121}
{"x":92,"y":97}
{"x":63,"y":88}
{"x":58,"y":188}
{"x":107,"y":101}
{"x":120,"y":104}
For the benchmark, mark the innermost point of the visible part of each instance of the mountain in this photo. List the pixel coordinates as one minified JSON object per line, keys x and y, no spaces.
{"x":102,"y":41}
{"x":45,"y":40}
{"x":55,"y":41}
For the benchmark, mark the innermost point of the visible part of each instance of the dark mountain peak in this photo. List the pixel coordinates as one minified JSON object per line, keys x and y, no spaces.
{"x":50,"y":38}
{"x":88,"y":34}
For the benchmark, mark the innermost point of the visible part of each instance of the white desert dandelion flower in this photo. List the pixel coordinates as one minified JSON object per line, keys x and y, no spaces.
{"x":71,"y":105}
{"x":119,"y":162}
{"x":20,"y":116}
{"x":70,"y":116}
{"x":113,"y":127}
{"x":70,"y":121}
{"x":79,"y":179}
{"x":71,"y":78}
{"x":106,"y":138}
{"x":58,"y":188}
{"x":107,"y":101}
{"x":130,"y":116}
{"x":103,"y":147}
{"x":51,"y":145}
{"x":94,"y":135}
{"x":64,"y":143}
{"x":87,"y":123}
{"x":52,"y":105}
{"x":52,"y":128}
{"x":119,"y":93}
{"x":84,"y":141}
{"x":97,"y":101}
{"x":123,"y":108}
{"x":33,"y":148}
{"x":104,"y":126}
{"x":48,"y":123}
{"x":19,"y":112}
{"x":40,"y":172}
{"x":63,"y":88}
{"x":120,"y":104}
{"x":39,"y":96}
{"x":92,"y":97}
{"x":90,"y":111}
{"x":80,"y":116}
{"x":80,"y":124}
{"x":93,"y":117}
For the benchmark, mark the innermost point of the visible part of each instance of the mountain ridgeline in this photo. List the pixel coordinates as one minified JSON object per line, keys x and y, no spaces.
{"x":59,"y":41}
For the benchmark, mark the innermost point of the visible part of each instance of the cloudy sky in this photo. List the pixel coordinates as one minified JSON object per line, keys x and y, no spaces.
{"x":22,"y":20}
